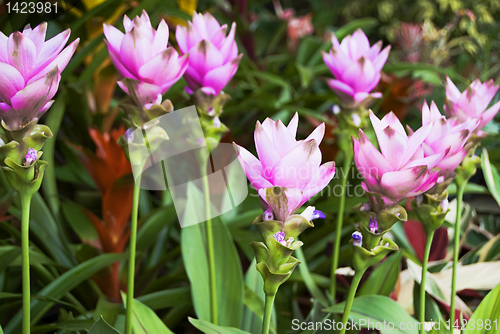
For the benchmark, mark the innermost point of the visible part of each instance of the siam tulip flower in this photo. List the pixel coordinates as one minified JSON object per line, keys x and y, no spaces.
{"x":30,"y":68}
{"x":286,"y":162}
{"x":356,"y":67}
{"x":446,"y":135}
{"x":141,"y":54}
{"x":213,"y":56}
{"x":400,"y":169}
{"x":472,"y":102}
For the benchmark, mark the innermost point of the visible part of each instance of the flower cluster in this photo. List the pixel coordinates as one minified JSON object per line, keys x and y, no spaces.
{"x":356,"y":67}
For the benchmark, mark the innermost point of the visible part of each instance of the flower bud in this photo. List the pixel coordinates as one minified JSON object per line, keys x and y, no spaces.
{"x":356,"y":120}
{"x":31,"y":156}
{"x":310,"y":213}
{"x":357,"y":239}
{"x":373,"y":225}
{"x":268,"y":215}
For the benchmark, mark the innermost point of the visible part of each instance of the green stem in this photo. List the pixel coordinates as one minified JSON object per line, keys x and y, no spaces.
{"x":266,"y":324}
{"x":211,"y":253}
{"x":25,"y":243}
{"x":428,"y":244}
{"x":131,"y":259}
{"x":340,"y":220}
{"x":350,"y":298}
{"x":456,"y":248}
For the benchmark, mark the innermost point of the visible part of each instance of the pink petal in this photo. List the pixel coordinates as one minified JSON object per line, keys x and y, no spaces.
{"x":32,"y":99}
{"x":127,"y":23}
{"x":135,"y":50}
{"x":268,"y":155}
{"x":220,"y":76}
{"x":398,"y":184}
{"x":229,"y":49}
{"x":181,"y":36}
{"x":393,"y":146}
{"x":317,"y":134}
{"x":389,"y":119}
{"x":164,"y":67}
{"x":297,"y":168}
{"x":358,"y":45}
{"x":415,"y":142}
{"x":293,"y":125}
{"x":320,"y":180}
{"x":283,"y":140}
{"x":4,"y":58}
{"x":53,"y":46}
{"x":204,"y":57}
{"x":22,"y":53}
{"x":37,"y":35}
{"x":379,"y":61}
{"x":12,"y":81}
{"x":60,"y":62}
{"x":160,"y":40}
{"x":120,"y":67}
{"x":252,"y":168}
{"x":375,"y":163}
{"x":361,"y":75}
{"x":488,"y":115}
{"x":339,"y":86}
{"x":369,"y":172}
{"x":374,"y":51}
{"x":144,"y":92}
{"x":114,"y":37}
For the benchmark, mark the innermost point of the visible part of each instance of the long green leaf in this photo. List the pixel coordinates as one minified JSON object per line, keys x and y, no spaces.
{"x":491,"y":176}
{"x":228,"y":275}
{"x":145,"y":320}
{"x":209,"y":328}
{"x":102,"y":327}
{"x":376,"y":309}
{"x":489,"y":309}
{"x":63,"y":284}
{"x":383,"y":279}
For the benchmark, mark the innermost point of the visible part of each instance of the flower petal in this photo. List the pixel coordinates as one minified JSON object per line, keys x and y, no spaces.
{"x":114,"y":37}
{"x":160,"y":40}
{"x":252,"y":168}
{"x":37,"y":35}
{"x":320,"y":180}
{"x":22,"y":53}
{"x":12,"y":81}
{"x":60,"y":61}
{"x":293,"y":125}
{"x":135,"y":50}
{"x":268,"y":155}
{"x":53,"y":46}
{"x":399,"y":184}
{"x":297,"y":168}
{"x":218,"y":77}
{"x":317,"y":134}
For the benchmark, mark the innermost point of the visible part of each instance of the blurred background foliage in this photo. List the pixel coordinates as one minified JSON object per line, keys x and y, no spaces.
{"x":79,"y":227}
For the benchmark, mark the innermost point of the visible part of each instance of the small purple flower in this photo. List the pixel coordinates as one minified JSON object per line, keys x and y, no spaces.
{"x":356,"y":120}
{"x":129,"y":135}
{"x":444,"y":205}
{"x":280,"y":237}
{"x":268,"y":215}
{"x":310,"y":213}
{"x":373,"y":225}
{"x":365,"y":207}
{"x":335,"y":109}
{"x":357,"y":239}
{"x":31,"y":156}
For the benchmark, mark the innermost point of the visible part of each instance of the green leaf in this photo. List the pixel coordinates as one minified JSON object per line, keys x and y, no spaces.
{"x":102,"y":327}
{"x":349,"y":28}
{"x":491,"y":176}
{"x":489,"y":309}
{"x":145,"y":320}
{"x":229,"y":278}
{"x":377,"y":309}
{"x":228,"y":272}
{"x":79,"y":222}
{"x":209,"y":328}
{"x":383,"y":279}
{"x":308,"y":280}
{"x":63,"y":284}
{"x":167,"y":298}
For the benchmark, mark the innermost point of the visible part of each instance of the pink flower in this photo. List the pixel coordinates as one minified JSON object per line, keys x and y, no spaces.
{"x":30,"y":71}
{"x":213,"y":56}
{"x":142,"y":54}
{"x":446,"y":135}
{"x":286,"y":162}
{"x":356,"y":67}
{"x":400,"y":169}
{"x":472,"y":102}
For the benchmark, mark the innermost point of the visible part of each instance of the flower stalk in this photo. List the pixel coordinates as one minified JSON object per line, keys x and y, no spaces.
{"x":131,"y":259}
{"x":350,"y":298}
{"x":25,"y":245}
